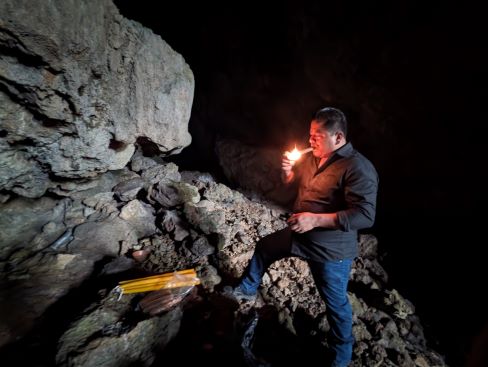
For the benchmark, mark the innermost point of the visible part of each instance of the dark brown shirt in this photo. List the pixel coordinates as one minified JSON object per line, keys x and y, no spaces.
{"x":346,"y":184}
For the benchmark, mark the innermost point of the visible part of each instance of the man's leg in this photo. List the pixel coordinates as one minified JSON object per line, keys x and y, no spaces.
{"x":268,"y":250}
{"x":331,"y":278}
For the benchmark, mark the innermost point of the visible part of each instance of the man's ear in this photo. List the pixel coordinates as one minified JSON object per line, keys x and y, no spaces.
{"x":339,"y":137}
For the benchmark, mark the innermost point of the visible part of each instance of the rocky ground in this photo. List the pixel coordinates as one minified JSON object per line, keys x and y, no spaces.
{"x":58,"y":277}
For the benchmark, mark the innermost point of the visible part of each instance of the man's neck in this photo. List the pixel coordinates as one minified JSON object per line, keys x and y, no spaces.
{"x":326,"y":157}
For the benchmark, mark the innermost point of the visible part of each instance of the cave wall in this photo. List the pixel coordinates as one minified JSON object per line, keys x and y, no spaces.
{"x":79,"y":85}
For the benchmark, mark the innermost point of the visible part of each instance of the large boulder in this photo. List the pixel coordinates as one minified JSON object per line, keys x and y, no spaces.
{"x":79,"y":85}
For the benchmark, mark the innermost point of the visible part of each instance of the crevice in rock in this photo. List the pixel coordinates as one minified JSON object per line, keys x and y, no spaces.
{"x":54,"y":123}
{"x":149,"y":148}
{"x":22,"y":97}
{"x":26,"y":142}
{"x":14,"y":48}
{"x":117,"y":145}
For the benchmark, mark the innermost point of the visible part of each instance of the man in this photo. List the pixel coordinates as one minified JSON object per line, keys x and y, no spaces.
{"x":336,"y":197}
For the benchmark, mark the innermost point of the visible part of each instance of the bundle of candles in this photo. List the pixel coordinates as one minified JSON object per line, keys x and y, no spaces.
{"x":182,"y":278}
{"x":165,"y":290}
{"x":295,"y":154}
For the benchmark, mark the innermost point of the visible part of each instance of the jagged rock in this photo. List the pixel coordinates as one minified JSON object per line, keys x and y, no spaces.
{"x":18,"y":172}
{"x":171,"y":194}
{"x":187,"y":192}
{"x":209,"y":276}
{"x":166,"y":173}
{"x":111,"y":237}
{"x":101,"y":200}
{"x":421,"y":362}
{"x":196,"y":178}
{"x":85,"y":187}
{"x":286,"y":319}
{"x":290,"y":285}
{"x":167,"y":255}
{"x":366,"y":268}
{"x":21,"y":219}
{"x":413,"y":333}
{"x":76,"y":213}
{"x":4,"y":198}
{"x":206,"y":215}
{"x":402,"y":307}
{"x":231,"y":216}
{"x":104,"y":317}
{"x":360,"y":332}
{"x":222,"y":194}
{"x":358,"y":306}
{"x":104,"y":338}
{"x":128,"y":190}
{"x":201,"y":247}
{"x":100,"y":207}
{"x":368,"y":246}
{"x":139,"y":163}
{"x":118,"y":265}
{"x":165,"y":195}
{"x":140,"y":216}
{"x":172,"y":222}
{"x":66,"y":107}
{"x":180,"y":233}
{"x":34,"y":285}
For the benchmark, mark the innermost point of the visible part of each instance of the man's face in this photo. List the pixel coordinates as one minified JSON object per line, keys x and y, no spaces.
{"x":321,"y":141}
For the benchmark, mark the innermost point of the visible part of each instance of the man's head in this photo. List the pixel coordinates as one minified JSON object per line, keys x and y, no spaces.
{"x":328,"y":131}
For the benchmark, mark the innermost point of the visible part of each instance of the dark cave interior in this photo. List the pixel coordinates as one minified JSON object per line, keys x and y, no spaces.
{"x":409,"y":77}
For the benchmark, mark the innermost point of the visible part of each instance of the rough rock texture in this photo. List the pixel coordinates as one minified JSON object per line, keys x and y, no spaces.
{"x":79,"y":84}
{"x":36,"y":283}
{"x":208,"y":227}
{"x":104,"y":337}
{"x":386,"y":330}
{"x":49,"y":246}
{"x":22,"y":219}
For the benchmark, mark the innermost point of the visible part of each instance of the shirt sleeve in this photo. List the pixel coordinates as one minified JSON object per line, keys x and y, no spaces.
{"x":360,"y":192}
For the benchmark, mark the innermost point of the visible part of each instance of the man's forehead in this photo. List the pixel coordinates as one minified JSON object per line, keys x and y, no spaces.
{"x":317,"y":127}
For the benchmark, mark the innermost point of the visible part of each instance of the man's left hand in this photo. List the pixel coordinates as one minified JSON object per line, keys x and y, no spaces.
{"x":302,"y":222}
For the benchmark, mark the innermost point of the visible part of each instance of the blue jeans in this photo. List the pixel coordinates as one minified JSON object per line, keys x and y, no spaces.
{"x":331,"y":278}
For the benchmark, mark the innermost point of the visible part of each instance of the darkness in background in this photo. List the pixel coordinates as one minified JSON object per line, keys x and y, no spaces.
{"x":428,"y":150}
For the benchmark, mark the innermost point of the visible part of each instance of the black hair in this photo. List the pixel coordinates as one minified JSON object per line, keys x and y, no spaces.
{"x":332,"y":119}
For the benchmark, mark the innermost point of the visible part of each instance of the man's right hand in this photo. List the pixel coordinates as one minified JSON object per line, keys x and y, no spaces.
{"x":287,"y":169}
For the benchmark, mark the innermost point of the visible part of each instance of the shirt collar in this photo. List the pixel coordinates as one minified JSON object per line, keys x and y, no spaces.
{"x":345,"y":151}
